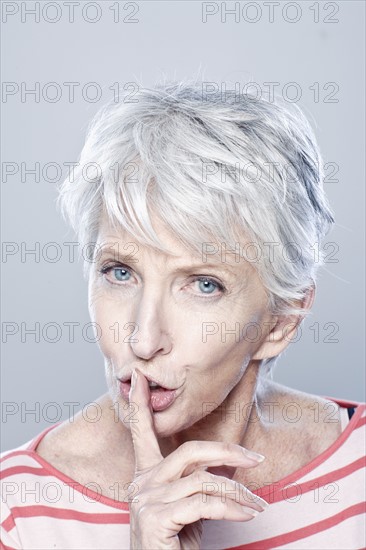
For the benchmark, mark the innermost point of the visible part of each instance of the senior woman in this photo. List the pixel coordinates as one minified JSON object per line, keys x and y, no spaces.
{"x":201,"y":213}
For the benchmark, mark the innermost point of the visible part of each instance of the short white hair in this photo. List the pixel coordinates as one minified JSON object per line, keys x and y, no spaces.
{"x":213,"y":166}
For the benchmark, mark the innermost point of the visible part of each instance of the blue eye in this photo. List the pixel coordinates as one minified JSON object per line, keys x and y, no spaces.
{"x":123,"y":272}
{"x":208,"y":286}
{"x":120,"y":273}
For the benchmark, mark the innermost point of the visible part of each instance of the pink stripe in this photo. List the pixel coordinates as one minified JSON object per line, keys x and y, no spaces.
{"x":14,"y":470}
{"x":47,"y":467}
{"x":298,"y":489}
{"x":344,"y":402}
{"x":62,"y":513}
{"x":361,"y":422}
{"x":16,"y":453}
{"x":4,"y":547}
{"x":304,"y":532}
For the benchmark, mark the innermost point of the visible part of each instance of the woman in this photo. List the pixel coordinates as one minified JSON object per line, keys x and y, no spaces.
{"x":202,"y":212}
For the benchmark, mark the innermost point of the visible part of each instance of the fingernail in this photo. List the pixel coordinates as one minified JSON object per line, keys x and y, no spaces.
{"x":133,"y":379}
{"x":262,"y":503}
{"x":253,"y":455}
{"x":254,"y":498}
{"x":250,"y":511}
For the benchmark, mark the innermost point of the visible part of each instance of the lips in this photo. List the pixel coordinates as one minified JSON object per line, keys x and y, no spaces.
{"x":160,"y":398}
{"x":127,"y":379}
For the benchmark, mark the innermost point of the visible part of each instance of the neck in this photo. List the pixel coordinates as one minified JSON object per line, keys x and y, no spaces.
{"x":236,"y":419}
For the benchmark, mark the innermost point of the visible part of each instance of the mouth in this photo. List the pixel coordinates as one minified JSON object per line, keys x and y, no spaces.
{"x":160,"y":397}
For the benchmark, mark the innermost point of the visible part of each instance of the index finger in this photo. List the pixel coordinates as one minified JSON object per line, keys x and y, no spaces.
{"x":145,"y":442}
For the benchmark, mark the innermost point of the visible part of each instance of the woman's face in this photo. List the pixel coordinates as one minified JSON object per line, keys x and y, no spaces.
{"x":188,"y":323}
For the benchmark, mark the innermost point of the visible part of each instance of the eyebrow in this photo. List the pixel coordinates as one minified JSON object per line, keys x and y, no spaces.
{"x":128,"y":258}
{"x":194,"y":267}
{"x":117,"y":255}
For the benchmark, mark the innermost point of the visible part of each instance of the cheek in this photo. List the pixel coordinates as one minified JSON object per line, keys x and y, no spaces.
{"x":218,"y":351}
{"x":112,"y":321}
{"x":214,"y":338}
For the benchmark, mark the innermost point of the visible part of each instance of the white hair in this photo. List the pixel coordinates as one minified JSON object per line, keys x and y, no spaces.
{"x":214,"y":167}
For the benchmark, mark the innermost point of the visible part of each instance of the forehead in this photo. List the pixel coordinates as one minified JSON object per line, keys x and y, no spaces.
{"x":112,"y":239}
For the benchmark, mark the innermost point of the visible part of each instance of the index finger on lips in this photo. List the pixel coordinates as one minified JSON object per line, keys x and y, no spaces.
{"x":146,"y":446}
{"x":194,"y":455}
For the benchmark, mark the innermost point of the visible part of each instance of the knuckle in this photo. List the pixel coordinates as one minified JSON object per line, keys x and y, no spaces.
{"x":230,"y":447}
{"x":189,"y":447}
{"x":212,"y":507}
{"x":197,"y":477}
{"x":208,"y":477}
{"x":210,"y":485}
{"x":182,"y":449}
{"x":198,"y":499}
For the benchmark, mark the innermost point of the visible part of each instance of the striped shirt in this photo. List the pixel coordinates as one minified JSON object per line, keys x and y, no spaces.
{"x":319,"y":506}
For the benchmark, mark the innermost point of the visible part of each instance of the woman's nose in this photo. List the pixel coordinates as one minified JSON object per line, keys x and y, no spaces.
{"x":153,"y":334}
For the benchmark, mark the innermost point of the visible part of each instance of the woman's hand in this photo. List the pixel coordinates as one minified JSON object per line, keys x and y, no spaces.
{"x":172,"y":495}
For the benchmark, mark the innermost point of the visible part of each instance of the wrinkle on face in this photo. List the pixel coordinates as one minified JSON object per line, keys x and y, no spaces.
{"x":171,"y":318}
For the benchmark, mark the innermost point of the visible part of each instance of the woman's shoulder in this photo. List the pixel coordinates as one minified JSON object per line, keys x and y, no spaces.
{"x":320,"y":422}
{"x":291,"y":402}
{"x":82,"y":436}
{"x":319,"y":419}
{"x":305,"y":428}
{"x":53,"y":450}
{"x":76,"y":450}
{"x":86,"y":451}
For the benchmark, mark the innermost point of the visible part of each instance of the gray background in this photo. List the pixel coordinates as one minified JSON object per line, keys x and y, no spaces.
{"x":169,"y":39}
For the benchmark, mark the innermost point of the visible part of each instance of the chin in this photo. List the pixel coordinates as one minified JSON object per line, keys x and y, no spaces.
{"x":166,"y":423}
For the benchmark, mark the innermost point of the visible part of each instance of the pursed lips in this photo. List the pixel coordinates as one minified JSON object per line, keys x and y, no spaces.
{"x":152,"y":382}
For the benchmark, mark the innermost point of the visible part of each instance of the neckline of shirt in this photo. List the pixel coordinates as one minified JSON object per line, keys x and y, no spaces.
{"x":263,"y":491}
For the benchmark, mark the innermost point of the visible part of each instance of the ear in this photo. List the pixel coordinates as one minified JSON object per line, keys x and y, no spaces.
{"x":284,"y":328}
